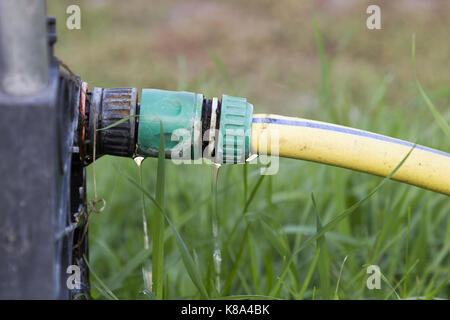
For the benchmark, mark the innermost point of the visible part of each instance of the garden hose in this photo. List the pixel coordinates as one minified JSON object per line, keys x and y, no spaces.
{"x":353,"y":149}
{"x":226,"y":131}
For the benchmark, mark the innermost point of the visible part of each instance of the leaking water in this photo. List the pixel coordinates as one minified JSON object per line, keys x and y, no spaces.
{"x":146,"y":270}
{"x":217,"y":255}
{"x":139,"y":161}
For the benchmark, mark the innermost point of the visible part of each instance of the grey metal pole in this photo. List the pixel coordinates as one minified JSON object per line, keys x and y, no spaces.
{"x":30,"y":156}
{"x":23,"y":47}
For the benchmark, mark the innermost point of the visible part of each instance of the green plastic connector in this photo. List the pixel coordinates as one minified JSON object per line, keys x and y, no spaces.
{"x":233,"y":144}
{"x":179,"y":112}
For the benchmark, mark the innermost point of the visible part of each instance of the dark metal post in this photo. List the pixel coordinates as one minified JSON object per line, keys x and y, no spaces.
{"x":29,"y":164}
{"x":23,"y":50}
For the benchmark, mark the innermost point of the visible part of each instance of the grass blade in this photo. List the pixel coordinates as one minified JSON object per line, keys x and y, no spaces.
{"x":437,"y":116}
{"x":132,"y":265}
{"x":118,"y":122}
{"x":350,"y":210}
{"x":342,"y":216}
{"x":309,"y":274}
{"x":191,"y":267}
{"x":336,"y":296}
{"x":102,"y":284}
{"x":431,"y":294}
{"x":234,"y":269}
{"x":324,"y":260}
{"x":253,"y":265}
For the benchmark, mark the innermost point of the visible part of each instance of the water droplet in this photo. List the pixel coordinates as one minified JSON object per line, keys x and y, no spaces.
{"x":252,"y":157}
{"x":138,"y":160}
{"x":217,"y":256}
{"x":216,"y":167}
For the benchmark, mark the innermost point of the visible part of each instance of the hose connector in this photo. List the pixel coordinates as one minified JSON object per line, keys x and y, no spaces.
{"x":194,"y":127}
{"x":233,"y":145}
{"x":108,"y":117}
{"x":179,"y":113}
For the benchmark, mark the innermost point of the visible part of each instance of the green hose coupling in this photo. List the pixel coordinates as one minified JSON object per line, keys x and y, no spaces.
{"x":233,"y":145}
{"x":179,"y":112}
{"x":194,"y":127}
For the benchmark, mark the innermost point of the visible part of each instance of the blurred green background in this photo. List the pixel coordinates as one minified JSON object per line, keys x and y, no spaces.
{"x":313,"y":59}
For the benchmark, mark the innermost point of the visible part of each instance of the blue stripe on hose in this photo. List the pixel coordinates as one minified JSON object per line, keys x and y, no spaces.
{"x":299,"y":123}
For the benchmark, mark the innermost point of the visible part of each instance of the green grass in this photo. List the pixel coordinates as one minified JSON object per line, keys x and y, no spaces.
{"x":390,"y":229}
{"x":297,"y":256}
{"x":436,"y":114}
{"x":275,"y":240}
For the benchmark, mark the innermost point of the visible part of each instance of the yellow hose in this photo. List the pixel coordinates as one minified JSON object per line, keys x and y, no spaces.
{"x":351,"y":148}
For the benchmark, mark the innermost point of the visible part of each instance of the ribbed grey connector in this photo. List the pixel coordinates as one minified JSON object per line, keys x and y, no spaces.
{"x":117,"y":104}
{"x":112,"y":105}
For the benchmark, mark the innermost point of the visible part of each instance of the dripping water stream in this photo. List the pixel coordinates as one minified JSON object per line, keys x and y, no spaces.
{"x":146,"y":270}
{"x":217,"y":255}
